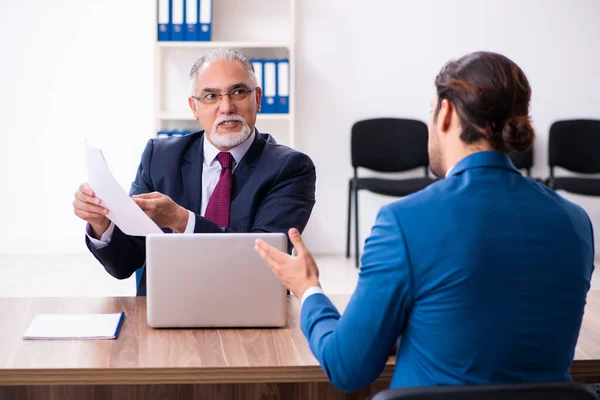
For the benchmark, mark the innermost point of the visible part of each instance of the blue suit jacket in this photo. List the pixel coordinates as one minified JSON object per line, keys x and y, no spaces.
{"x":273,"y":190}
{"x":482,"y":276}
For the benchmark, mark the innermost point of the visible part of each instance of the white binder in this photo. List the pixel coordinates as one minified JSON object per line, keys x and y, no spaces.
{"x":283,"y":87}
{"x":205,"y":20}
{"x":258,"y":71}
{"x":177,"y":17}
{"x":270,"y":88}
{"x":191,"y":20}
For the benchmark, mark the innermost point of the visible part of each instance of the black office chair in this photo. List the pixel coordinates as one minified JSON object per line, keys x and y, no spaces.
{"x":386,"y":145}
{"x":574,"y":146}
{"x":527,"y":391}
{"x":523,"y":160}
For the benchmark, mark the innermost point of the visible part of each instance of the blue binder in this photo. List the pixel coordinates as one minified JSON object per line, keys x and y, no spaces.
{"x":270,"y":86}
{"x":163,"y":19}
{"x":258,"y":71}
{"x":205,"y":18}
{"x":177,"y":19}
{"x":191,"y":20}
{"x":283,"y":87}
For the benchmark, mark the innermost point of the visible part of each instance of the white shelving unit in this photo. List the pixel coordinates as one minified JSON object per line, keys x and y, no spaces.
{"x":258,"y":28}
{"x":215,"y":45}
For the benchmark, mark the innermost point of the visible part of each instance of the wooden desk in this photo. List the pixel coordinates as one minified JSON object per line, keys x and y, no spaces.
{"x":148,"y":363}
{"x":175,"y":363}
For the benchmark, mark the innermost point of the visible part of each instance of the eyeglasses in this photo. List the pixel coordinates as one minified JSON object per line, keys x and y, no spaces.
{"x":238,"y":94}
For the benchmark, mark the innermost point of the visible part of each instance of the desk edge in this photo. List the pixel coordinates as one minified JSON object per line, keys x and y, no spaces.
{"x":144,"y":376}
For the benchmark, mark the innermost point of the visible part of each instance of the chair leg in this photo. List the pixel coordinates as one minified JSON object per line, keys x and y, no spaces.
{"x":349,"y":219}
{"x":356,"y":239}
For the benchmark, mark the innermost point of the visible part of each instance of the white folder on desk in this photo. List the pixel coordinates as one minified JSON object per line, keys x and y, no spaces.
{"x":75,"y":326}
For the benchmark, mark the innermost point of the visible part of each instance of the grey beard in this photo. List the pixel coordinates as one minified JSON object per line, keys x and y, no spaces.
{"x":233,"y":139}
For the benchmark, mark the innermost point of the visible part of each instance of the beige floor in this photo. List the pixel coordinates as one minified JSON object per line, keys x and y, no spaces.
{"x":82,"y":275}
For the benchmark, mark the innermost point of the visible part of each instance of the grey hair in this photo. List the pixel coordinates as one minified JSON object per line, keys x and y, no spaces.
{"x":221,"y":54}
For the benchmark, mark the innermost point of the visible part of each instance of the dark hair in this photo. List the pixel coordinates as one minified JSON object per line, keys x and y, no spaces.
{"x":491,"y":96}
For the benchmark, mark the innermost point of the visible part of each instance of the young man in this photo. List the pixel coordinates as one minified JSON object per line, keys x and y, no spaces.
{"x":482,"y":276}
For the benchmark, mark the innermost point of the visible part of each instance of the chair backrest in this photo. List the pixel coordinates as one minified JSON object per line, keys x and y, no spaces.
{"x":389,"y":144}
{"x":138,"y":275}
{"x":574,"y":145}
{"x":523,"y":160}
{"x":527,"y":391}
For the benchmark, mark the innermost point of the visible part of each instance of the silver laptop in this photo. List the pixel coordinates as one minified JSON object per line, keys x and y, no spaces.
{"x":213,"y":280}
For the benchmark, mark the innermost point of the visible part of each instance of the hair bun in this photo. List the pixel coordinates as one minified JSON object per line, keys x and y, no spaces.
{"x":517,"y":133}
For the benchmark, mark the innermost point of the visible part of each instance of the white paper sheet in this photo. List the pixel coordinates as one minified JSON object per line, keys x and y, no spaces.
{"x":122,"y":210}
{"x":74,"y":326}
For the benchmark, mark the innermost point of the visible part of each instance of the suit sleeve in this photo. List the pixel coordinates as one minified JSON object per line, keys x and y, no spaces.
{"x":125,"y":254}
{"x":354,"y":348}
{"x":288,"y":204}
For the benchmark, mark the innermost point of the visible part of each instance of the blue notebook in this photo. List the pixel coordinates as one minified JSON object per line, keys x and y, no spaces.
{"x":75,"y":326}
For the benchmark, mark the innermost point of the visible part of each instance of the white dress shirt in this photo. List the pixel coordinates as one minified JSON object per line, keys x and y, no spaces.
{"x":315,"y":289}
{"x":211,"y":172}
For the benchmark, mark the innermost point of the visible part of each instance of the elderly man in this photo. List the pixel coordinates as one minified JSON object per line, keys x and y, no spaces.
{"x":228,"y":178}
{"x":482,"y":276}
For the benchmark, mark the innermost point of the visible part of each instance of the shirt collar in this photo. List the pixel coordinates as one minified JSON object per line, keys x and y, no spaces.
{"x":483,"y":159}
{"x":238,"y":152}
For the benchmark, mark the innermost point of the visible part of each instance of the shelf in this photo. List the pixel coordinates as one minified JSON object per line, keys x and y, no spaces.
{"x":243,"y":25}
{"x":217,"y":44}
{"x":185,"y":116}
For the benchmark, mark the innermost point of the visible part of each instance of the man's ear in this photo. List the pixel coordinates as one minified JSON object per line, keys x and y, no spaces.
{"x":445,"y":116}
{"x":192,"y":103}
{"x":258,"y":98}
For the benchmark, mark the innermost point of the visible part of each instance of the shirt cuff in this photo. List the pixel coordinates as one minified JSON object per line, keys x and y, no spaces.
{"x":309,"y":292}
{"x":191,"y":223}
{"x":104,"y":239}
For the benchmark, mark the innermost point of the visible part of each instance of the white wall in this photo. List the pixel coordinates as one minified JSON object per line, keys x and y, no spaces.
{"x":379,"y":58}
{"x":70,"y":69}
{"x":74,"y":69}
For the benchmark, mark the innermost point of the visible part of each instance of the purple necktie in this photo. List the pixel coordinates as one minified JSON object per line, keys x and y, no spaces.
{"x":217,"y":209}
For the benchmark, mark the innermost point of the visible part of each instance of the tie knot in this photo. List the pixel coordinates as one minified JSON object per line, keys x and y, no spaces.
{"x":225,"y":159}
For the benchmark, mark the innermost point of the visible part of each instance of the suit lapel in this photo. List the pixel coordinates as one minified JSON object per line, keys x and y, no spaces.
{"x":247,"y":164}
{"x":191,"y":174}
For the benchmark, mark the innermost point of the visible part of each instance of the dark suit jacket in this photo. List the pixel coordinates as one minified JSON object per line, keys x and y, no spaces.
{"x":273,"y":190}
